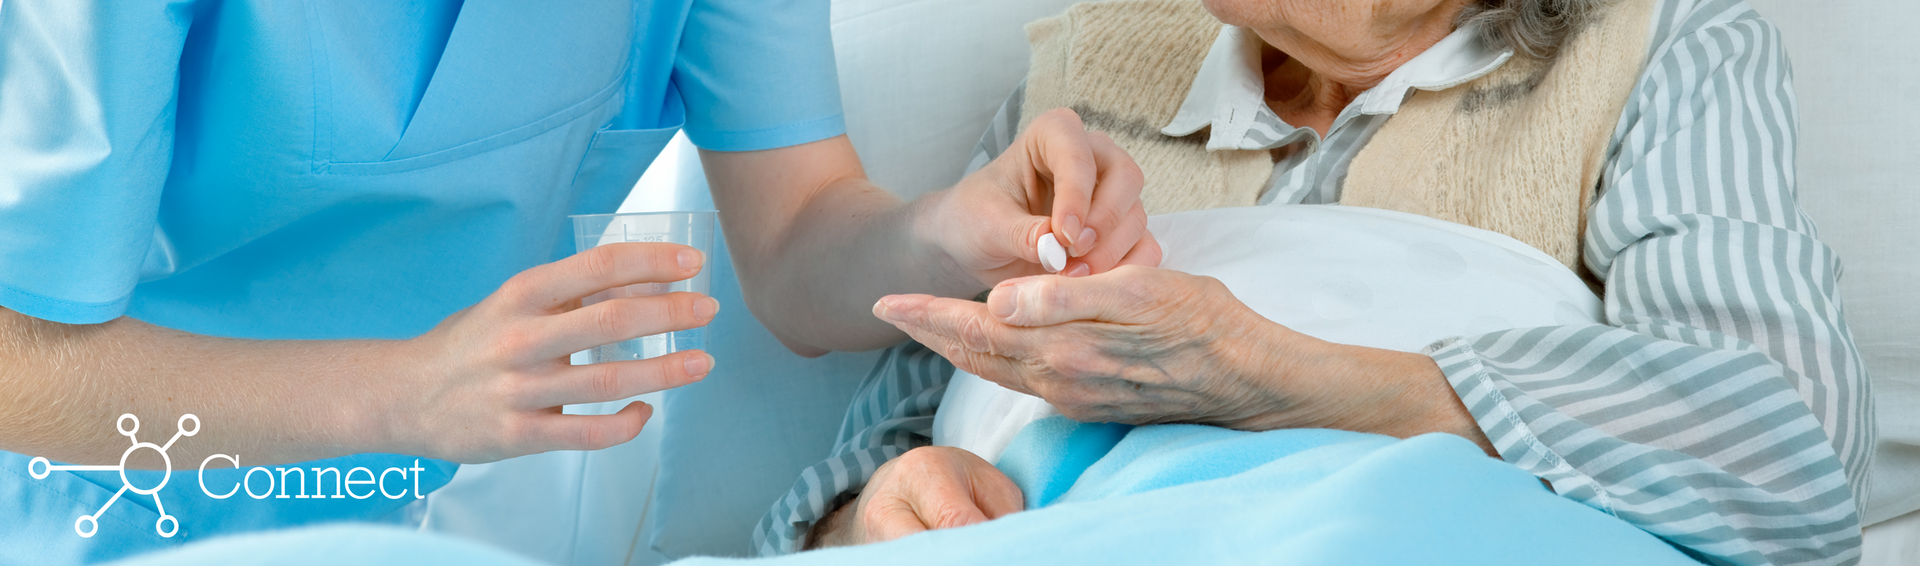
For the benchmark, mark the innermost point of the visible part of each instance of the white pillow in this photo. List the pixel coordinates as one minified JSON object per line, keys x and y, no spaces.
{"x":1856,"y":66}
{"x":1350,"y":275}
{"x":920,"y":79}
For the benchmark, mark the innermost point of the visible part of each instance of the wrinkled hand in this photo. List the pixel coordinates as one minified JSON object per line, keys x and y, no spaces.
{"x":1056,"y":177}
{"x":1146,"y":345}
{"x":489,"y":381}
{"x":928,"y":488}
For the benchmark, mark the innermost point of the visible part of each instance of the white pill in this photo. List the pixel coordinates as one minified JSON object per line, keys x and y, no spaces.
{"x":1052,"y":256}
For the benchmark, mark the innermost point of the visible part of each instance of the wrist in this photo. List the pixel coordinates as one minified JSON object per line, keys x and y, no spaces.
{"x":1271,"y":358}
{"x":378,"y":416}
{"x":935,"y":232}
{"x":1311,"y":383}
{"x":1407,"y":396}
{"x":832,"y":530}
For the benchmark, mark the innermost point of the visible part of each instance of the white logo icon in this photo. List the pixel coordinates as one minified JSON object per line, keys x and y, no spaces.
{"x":87,"y":525}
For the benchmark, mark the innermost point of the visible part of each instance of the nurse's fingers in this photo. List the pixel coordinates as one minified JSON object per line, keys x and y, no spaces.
{"x":616,"y":320}
{"x":585,"y":432}
{"x":1115,"y":199}
{"x":554,"y":286}
{"x":1062,"y":154}
{"x":613,"y":381}
{"x":1147,"y":253}
{"x":1117,"y":242}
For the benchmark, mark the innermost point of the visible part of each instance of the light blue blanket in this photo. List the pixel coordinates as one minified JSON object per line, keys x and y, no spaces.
{"x":1108,"y":494}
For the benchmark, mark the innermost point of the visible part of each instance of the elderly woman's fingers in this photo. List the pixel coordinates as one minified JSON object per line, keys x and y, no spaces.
{"x":994,"y":492}
{"x":885,"y":520}
{"x":965,"y":335}
{"x":947,"y":491}
{"x":1125,"y":295}
{"x":965,"y":323}
{"x":934,"y":487}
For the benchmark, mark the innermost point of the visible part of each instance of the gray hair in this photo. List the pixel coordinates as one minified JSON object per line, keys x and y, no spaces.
{"x":1533,"y":28}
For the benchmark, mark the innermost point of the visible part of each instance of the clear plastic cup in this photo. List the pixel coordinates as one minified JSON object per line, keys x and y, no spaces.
{"x":689,"y":228}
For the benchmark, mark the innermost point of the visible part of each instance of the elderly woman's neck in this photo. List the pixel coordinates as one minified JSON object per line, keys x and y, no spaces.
{"x":1306,"y":99}
{"x":1311,"y":78}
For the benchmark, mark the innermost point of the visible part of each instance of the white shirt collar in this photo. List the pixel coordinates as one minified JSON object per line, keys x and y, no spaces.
{"x":1229,"y":92}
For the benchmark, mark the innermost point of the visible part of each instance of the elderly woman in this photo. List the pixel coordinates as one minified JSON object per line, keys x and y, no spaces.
{"x":1646,"y":144}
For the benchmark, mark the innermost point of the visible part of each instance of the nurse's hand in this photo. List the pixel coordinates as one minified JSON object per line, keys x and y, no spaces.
{"x":928,"y":488}
{"x":1056,"y":177}
{"x":488,"y":383}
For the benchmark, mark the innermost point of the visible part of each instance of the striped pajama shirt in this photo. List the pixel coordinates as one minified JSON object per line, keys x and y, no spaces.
{"x":1722,"y":406}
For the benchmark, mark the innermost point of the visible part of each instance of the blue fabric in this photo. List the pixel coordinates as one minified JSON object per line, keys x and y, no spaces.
{"x":267,"y":169}
{"x":336,"y":545}
{"x":335,"y":170}
{"x":41,"y":529}
{"x":1048,"y":456}
{"x":1185,"y":494}
{"x":702,"y":493}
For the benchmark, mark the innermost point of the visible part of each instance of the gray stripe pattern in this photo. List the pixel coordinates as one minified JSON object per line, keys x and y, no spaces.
{"x":1722,"y":407}
{"x":1315,"y":172}
{"x":1000,"y":132}
{"x":891,"y":414}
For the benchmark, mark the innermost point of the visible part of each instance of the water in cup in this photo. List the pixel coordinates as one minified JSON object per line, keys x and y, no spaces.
{"x":690,"y":228}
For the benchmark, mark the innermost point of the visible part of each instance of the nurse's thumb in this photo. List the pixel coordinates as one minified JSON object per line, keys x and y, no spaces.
{"x":1023,"y":237}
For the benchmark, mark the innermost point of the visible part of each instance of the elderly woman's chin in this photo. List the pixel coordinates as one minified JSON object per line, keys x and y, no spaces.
{"x":1371,"y":35}
{"x":1329,"y":17}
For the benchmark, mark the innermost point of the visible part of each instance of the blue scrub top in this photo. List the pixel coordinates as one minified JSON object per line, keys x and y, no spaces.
{"x":281,"y":169}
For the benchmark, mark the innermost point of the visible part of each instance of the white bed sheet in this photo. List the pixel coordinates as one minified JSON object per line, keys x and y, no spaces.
{"x":1894,"y":542}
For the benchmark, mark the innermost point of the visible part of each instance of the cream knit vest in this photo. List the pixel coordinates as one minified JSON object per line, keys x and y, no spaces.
{"x":1518,"y":151}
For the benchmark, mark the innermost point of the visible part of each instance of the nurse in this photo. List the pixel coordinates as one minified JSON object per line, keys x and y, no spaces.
{"x":337,"y":229}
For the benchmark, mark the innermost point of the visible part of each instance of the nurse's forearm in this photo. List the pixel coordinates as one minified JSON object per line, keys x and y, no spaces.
{"x":816,"y":244}
{"x":487,"y":383}
{"x":63,"y":388}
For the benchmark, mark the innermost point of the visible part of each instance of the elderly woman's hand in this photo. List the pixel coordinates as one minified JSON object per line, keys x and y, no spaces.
{"x":928,"y":488}
{"x":1146,"y":345}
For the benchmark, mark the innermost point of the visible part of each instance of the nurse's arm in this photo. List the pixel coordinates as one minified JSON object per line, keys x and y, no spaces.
{"x":486,"y":384}
{"x":816,"y":244}
{"x":63,"y":388}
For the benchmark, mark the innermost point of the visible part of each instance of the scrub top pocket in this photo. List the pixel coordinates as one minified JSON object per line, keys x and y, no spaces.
{"x":476,"y":147}
{"x":508,"y":72}
{"x":614,"y":163}
{"x":617,"y":158}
